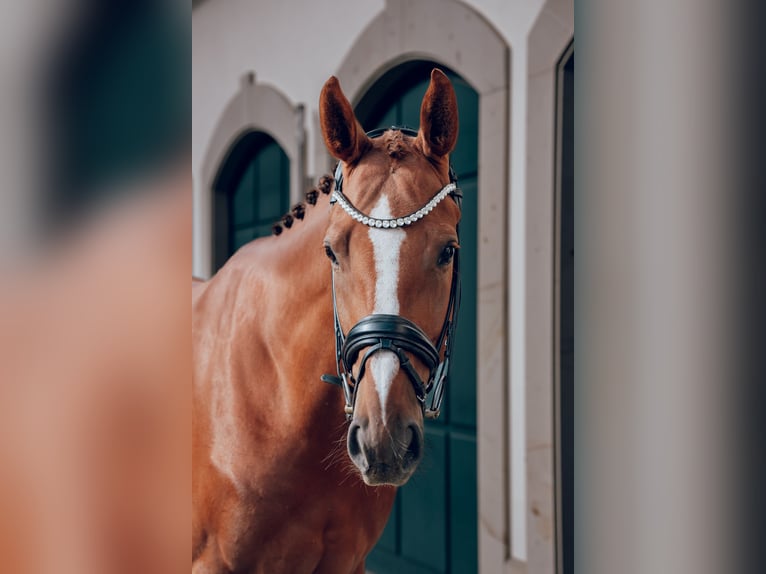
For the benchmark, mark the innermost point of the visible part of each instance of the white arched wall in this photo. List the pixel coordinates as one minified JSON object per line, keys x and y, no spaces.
{"x":255,"y":107}
{"x":548,"y":39}
{"x":452,"y":33}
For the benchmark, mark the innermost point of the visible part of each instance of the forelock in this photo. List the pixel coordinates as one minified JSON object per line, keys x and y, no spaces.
{"x":396,"y":145}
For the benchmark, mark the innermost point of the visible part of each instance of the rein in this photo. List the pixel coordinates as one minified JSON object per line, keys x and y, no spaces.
{"x":381,"y":332}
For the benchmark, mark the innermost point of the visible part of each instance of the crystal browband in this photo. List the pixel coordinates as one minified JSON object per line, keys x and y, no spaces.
{"x":338,"y":197}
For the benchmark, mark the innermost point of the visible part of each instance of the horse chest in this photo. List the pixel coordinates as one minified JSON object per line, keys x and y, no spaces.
{"x":304,"y":529}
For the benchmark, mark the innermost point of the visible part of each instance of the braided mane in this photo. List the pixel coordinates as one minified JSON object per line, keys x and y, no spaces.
{"x":298,"y":211}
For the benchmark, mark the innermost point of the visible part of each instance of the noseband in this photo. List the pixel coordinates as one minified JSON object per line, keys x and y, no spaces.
{"x":394,"y":333}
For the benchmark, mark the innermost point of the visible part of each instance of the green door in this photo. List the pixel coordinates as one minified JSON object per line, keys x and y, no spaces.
{"x":433,"y":527}
{"x":252,"y":191}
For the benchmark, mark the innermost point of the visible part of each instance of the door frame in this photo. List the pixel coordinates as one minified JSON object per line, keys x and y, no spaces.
{"x":551,"y":34}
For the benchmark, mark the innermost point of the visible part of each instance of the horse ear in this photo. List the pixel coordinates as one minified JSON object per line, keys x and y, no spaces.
{"x":344,"y":137}
{"x":438,"y":116}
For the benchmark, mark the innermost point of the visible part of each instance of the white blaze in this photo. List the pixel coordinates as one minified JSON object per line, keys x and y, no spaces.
{"x":386,"y":245}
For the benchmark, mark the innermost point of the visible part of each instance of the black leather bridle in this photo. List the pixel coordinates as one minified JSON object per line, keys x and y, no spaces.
{"x":380,"y":332}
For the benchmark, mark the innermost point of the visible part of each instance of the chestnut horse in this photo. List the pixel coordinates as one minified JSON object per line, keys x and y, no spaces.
{"x":281,"y":483}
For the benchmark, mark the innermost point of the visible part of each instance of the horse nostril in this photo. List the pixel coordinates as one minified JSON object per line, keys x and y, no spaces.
{"x":354,"y":448}
{"x":415,"y":446}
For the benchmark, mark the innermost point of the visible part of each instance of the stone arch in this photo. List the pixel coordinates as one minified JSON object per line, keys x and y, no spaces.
{"x":451,"y":33}
{"x":254,"y":108}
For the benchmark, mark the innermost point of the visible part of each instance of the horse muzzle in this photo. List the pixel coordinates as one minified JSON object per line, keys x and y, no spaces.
{"x":385,"y":454}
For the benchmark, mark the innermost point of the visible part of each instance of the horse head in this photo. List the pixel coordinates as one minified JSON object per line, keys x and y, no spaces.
{"x":392,"y":242}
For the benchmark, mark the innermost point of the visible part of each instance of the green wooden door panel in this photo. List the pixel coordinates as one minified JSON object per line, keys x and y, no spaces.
{"x":463,"y":536}
{"x":242,"y":236}
{"x":261,"y":196}
{"x":465,"y":156}
{"x":410,"y":104}
{"x":252,"y":191}
{"x":391,"y":118}
{"x":385,"y":563}
{"x":423,"y":523}
{"x":388,"y":540}
{"x":273,"y":173}
{"x":243,"y":200}
{"x":433,"y":526}
{"x":460,"y":402}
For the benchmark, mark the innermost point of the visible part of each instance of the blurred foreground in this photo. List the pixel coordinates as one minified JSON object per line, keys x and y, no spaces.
{"x":94,"y":395}
{"x":95,"y":258}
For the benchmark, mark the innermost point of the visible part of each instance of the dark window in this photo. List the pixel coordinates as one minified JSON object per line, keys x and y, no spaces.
{"x":252,"y":191}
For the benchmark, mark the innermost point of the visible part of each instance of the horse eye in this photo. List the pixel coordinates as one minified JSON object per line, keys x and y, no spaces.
{"x":447,"y":254}
{"x":330,"y":255}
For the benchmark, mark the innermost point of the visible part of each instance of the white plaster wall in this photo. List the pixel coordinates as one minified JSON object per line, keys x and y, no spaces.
{"x":296,"y":45}
{"x":514,"y":20}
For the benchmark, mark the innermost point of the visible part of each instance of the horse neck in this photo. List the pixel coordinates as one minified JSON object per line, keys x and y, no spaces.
{"x":282,"y":331}
{"x":301,"y":337}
